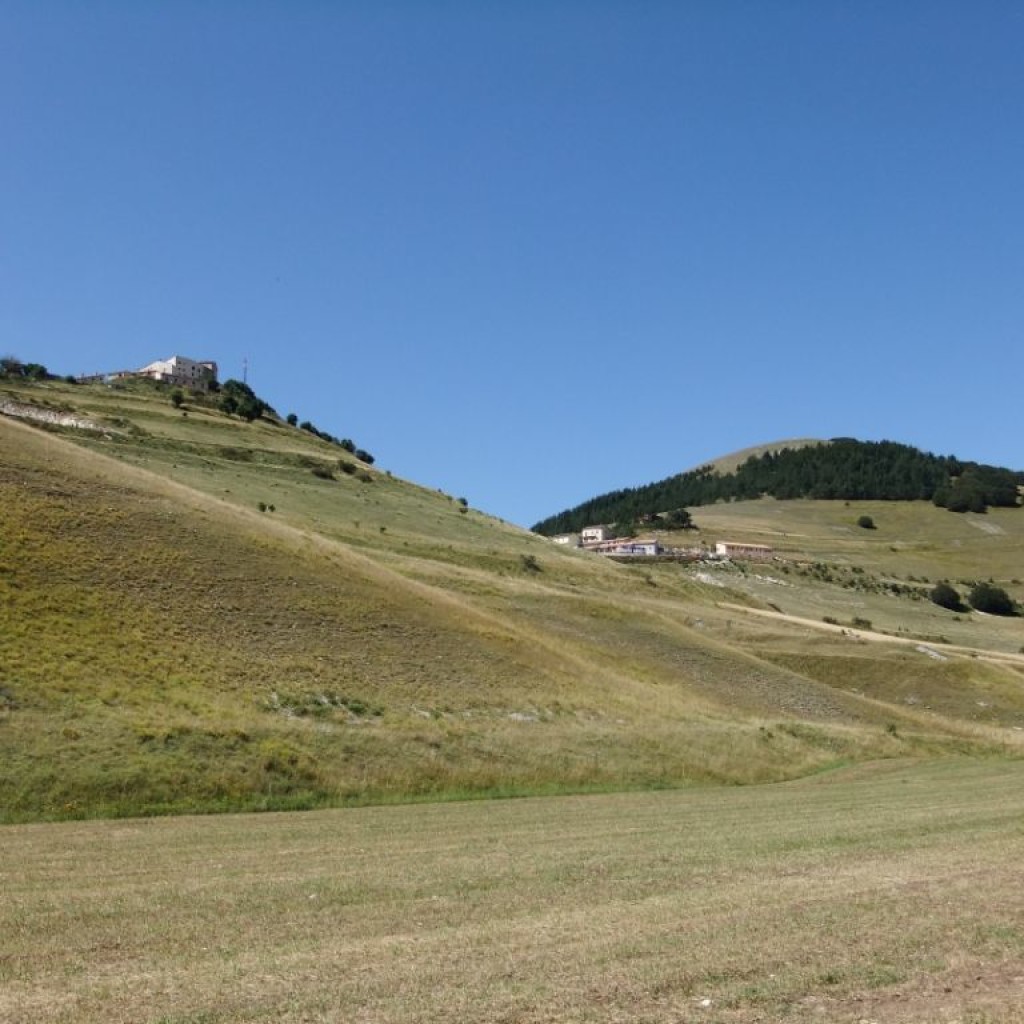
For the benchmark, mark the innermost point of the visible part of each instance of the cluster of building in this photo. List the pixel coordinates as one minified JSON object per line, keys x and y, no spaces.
{"x":597,"y":539}
{"x":179,"y":371}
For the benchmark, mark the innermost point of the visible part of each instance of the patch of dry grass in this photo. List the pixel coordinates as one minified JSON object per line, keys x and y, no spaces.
{"x":886,"y":893}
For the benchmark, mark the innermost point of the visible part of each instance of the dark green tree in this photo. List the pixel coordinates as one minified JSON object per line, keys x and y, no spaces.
{"x":946,"y":596}
{"x":250,"y":408}
{"x":987,"y":597}
{"x":676,"y":519}
{"x":238,"y":397}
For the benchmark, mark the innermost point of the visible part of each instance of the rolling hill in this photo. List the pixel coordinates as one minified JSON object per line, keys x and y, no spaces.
{"x":203,"y":613}
{"x":842,"y":468}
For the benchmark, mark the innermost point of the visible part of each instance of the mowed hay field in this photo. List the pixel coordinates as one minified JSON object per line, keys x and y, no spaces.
{"x":888,"y":892}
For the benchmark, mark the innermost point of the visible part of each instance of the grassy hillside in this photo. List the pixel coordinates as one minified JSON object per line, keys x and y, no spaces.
{"x":166,"y":645}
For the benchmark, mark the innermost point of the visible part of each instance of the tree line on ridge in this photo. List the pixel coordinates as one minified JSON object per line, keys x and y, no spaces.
{"x":841,"y":469}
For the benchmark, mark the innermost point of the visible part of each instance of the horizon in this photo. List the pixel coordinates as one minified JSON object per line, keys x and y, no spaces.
{"x":531,"y":255}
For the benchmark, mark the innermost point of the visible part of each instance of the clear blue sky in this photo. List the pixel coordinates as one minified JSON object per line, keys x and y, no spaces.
{"x":532,"y":251}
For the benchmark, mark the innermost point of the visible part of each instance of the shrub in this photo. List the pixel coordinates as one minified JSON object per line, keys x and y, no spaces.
{"x":322,"y":472}
{"x":986,"y":597}
{"x":946,"y":596}
{"x":11,"y":366}
{"x":677,"y":519}
{"x":177,"y":398}
{"x":291,"y":419}
{"x":866,"y":523}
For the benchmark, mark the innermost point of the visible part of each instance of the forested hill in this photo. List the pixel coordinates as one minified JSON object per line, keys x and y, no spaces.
{"x":842,"y":468}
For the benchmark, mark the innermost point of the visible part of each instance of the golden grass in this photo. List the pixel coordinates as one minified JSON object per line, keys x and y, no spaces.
{"x":169,"y":647}
{"x":888,"y":892}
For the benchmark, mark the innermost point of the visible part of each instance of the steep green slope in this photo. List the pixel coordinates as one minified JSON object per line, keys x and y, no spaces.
{"x":166,"y":645}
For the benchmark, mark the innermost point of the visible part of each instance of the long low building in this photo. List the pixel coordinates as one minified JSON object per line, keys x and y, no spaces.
{"x":625,"y":546}
{"x":750,"y":552}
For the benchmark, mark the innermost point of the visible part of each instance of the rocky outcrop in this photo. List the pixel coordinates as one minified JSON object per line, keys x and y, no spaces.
{"x":22,"y":411}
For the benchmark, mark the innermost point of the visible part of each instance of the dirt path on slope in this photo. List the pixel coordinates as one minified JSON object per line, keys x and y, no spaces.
{"x":999,"y":657}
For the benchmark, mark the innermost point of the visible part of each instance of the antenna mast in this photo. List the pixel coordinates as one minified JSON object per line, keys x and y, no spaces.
{"x":245,"y":369}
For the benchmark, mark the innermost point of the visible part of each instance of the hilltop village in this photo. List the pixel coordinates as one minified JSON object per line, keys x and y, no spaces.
{"x":178,"y":371}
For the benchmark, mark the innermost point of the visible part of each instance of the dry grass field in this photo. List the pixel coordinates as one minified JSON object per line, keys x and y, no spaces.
{"x":889,"y":892}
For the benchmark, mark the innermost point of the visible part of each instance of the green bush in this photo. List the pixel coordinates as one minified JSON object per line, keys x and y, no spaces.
{"x":986,"y":597}
{"x":866,"y":523}
{"x":946,"y":596}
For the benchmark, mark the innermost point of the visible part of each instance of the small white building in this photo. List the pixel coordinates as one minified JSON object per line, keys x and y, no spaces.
{"x":568,"y":539}
{"x":593,"y":535}
{"x":197,"y":375}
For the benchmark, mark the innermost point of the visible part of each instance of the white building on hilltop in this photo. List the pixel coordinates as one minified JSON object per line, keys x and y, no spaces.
{"x":187,"y":373}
